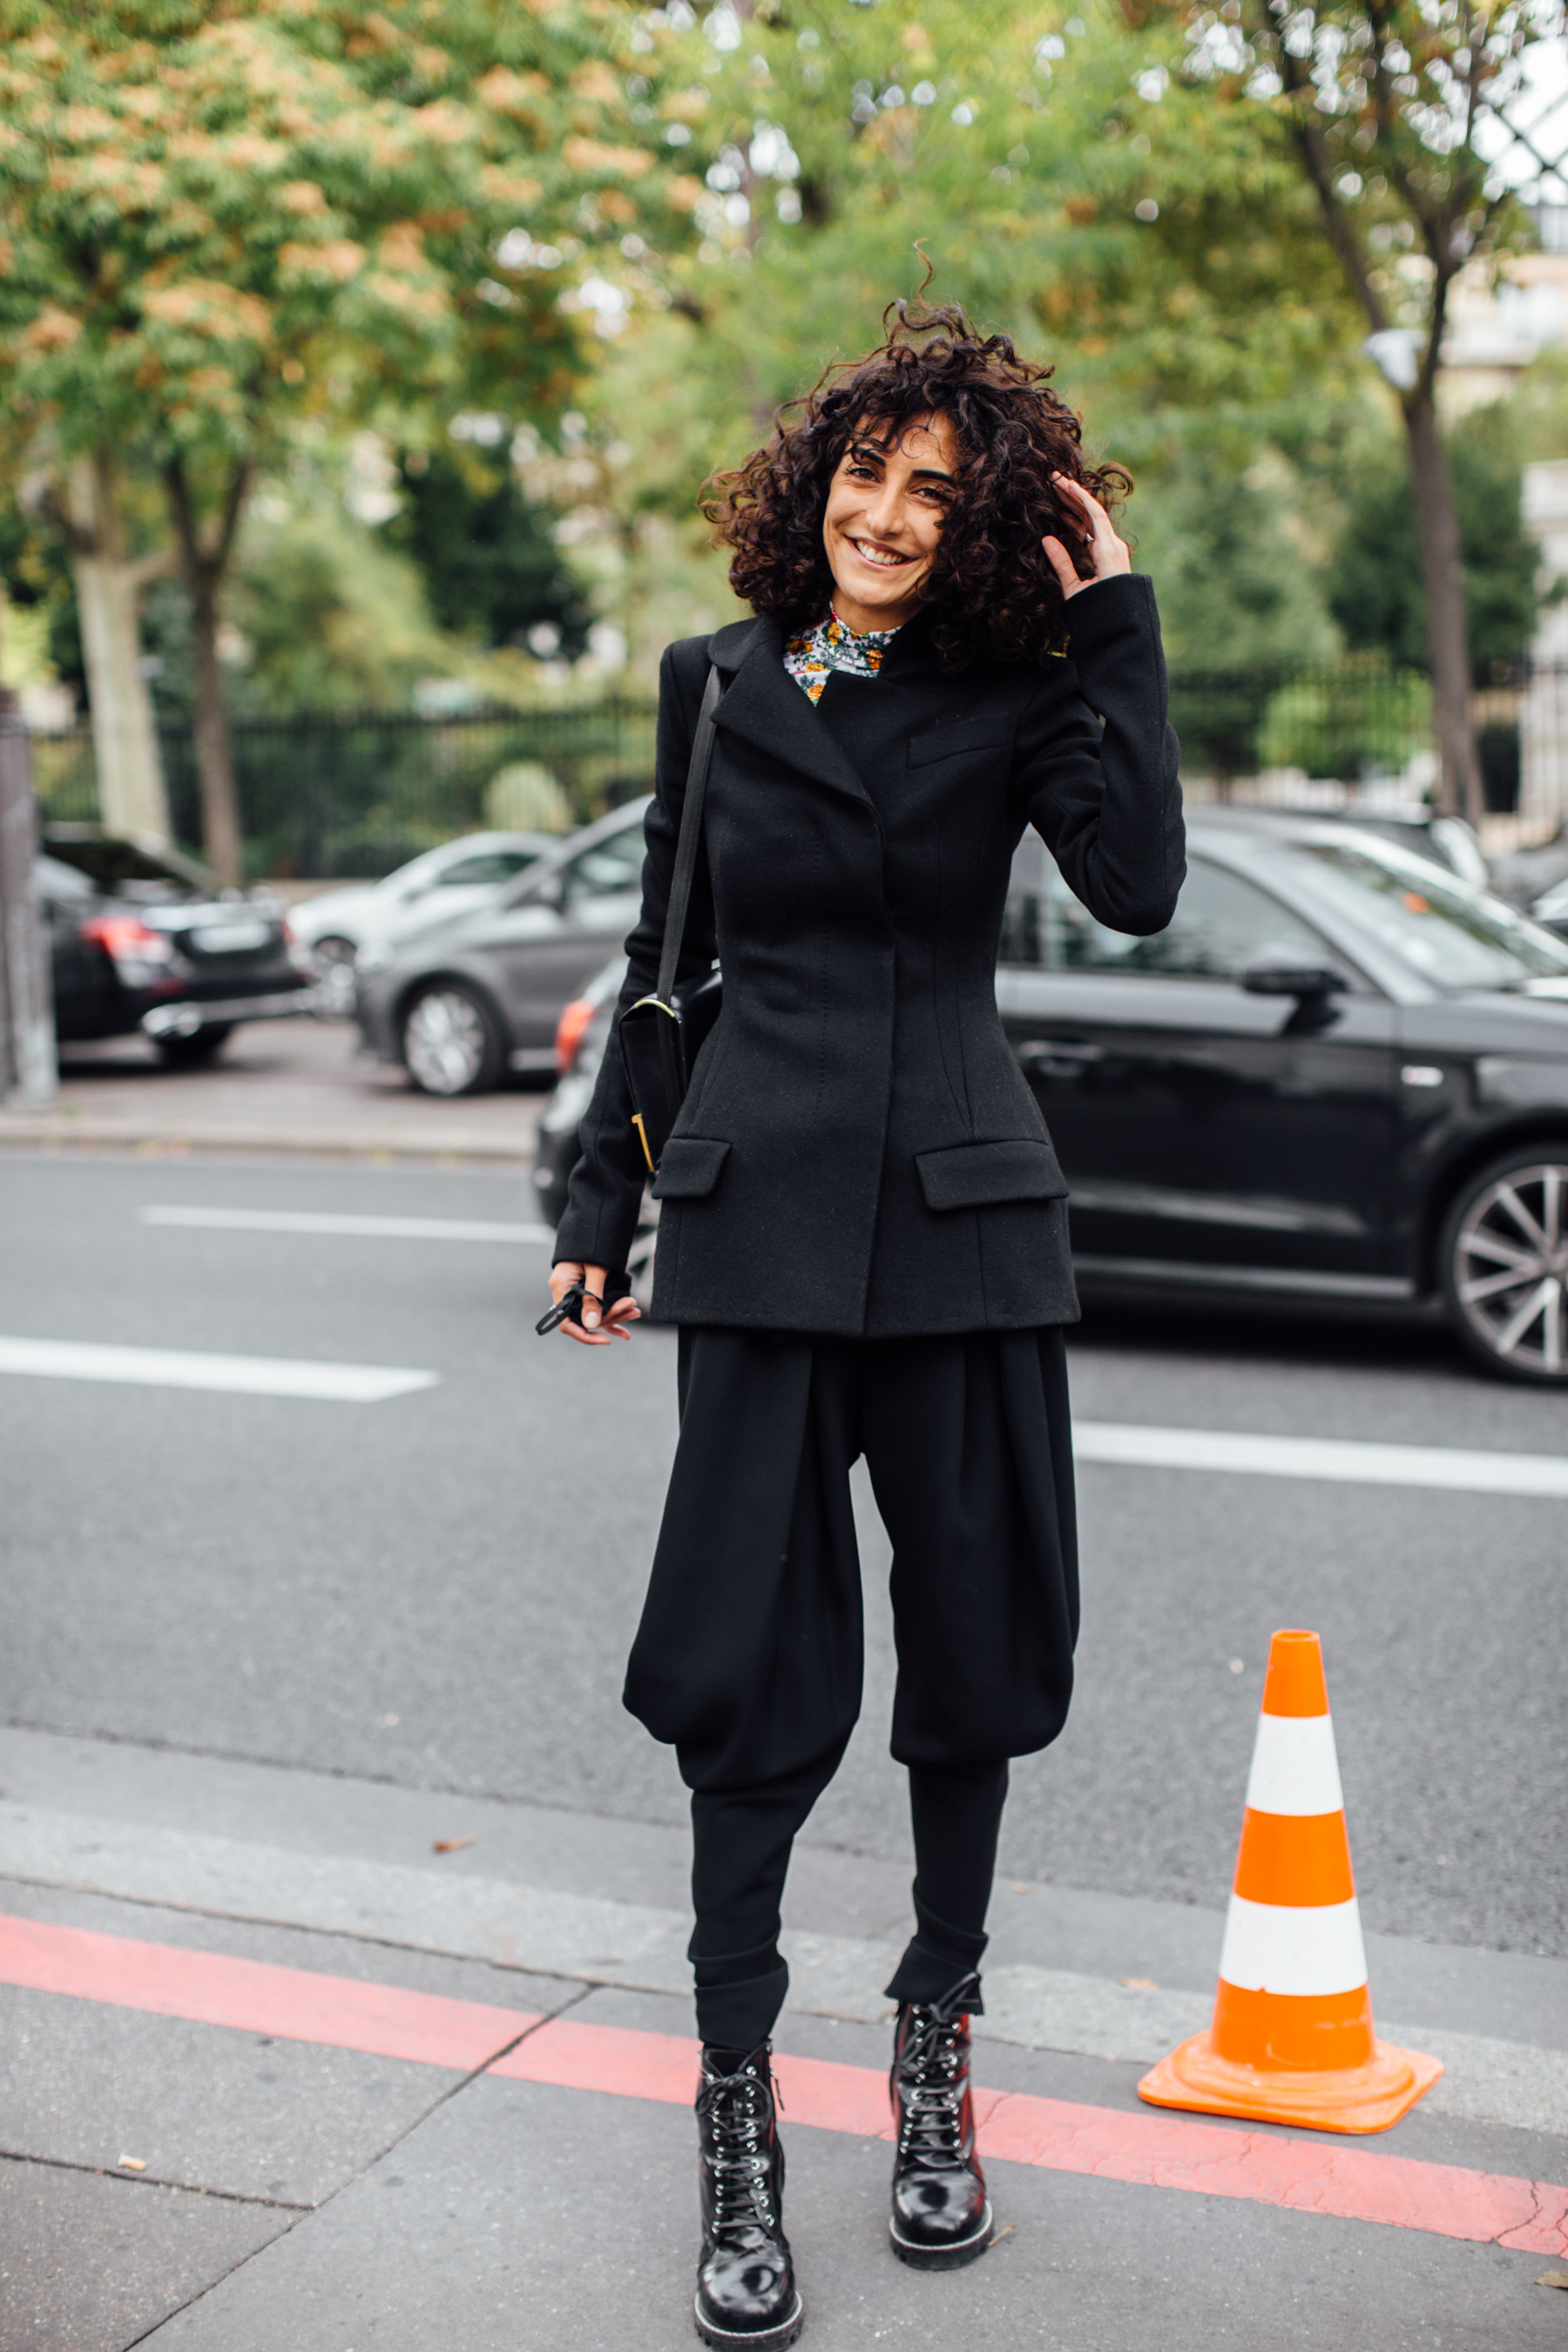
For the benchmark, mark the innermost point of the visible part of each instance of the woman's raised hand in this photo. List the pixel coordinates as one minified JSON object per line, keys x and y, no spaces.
{"x":1110,"y":554}
{"x":598,"y":1325}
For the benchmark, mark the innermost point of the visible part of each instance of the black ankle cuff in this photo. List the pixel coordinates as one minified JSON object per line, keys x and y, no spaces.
{"x":738,"y":2016}
{"x":938,"y":1957}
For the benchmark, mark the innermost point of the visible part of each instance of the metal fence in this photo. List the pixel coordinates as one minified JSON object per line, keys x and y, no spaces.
{"x":331,"y":794}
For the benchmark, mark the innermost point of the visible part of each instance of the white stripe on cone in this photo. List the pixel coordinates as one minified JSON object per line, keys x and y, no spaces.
{"x":1282,"y":1948}
{"x":1294,"y":1768}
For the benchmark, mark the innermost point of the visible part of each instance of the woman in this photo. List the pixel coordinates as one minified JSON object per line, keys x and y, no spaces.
{"x":864,"y":1235}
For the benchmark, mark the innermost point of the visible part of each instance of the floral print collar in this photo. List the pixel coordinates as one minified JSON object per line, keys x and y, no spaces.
{"x":812,"y":656}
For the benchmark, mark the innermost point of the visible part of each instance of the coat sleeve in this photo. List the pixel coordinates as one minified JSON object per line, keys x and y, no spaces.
{"x":1102,"y":791}
{"x":605,"y":1199}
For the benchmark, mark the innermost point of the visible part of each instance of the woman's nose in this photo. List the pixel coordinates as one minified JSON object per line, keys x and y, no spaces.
{"x":884,"y":513}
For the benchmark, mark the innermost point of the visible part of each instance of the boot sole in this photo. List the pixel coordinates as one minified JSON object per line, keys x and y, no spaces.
{"x":784,"y":2333}
{"x":944,"y":2257}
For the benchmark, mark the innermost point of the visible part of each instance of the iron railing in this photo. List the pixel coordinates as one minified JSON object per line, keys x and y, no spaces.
{"x":333,"y":794}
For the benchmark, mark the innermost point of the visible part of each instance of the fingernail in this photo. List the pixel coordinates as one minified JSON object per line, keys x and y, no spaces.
{"x":590,"y":1318}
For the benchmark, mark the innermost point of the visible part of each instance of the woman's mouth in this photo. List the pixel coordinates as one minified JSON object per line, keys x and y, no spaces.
{"x":885,"y":559}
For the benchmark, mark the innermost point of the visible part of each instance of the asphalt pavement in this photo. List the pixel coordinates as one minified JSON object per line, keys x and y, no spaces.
{"x":328,"y":1691}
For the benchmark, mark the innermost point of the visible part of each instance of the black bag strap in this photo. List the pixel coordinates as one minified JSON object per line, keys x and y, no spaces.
{"x":690,"y":837}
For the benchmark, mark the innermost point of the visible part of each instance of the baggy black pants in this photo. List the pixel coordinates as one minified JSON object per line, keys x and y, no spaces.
{"x":749,"y":1655}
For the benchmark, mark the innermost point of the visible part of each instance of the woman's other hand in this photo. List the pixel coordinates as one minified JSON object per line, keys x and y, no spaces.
{"x":599,"y":1326}
{"x":1110,"y":554}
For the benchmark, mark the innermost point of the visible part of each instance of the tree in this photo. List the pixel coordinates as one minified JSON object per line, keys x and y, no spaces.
{"x":1384,"y":107}
{"x":490,"y":566}
{"x":218,"y":222}
{"x":1375,"y":586}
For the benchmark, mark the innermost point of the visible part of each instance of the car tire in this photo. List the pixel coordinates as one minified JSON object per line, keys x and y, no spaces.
{"x":451,"y":1041}
{"x":1504,"y":1265}
{"x":333,"y":962}
{"x":194,"y":1052}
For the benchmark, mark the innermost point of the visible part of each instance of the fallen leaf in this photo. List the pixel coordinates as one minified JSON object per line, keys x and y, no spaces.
{"x":450,"y":1845}
{"x":1553,"y":2278}
{"x":1139,"y":1984}
{"x":132,"y":2163}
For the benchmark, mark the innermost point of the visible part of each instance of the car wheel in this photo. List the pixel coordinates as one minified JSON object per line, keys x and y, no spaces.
{"x":334,"y":963}
{"x":194,"y":1052}
{"x":450,"y":1043}
{"x":1504,"y":1264}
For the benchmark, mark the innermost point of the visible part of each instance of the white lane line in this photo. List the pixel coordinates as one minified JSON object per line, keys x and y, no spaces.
{"x":176,"y":1368}
{"x":309,"y":1220}
{"x":1355,"y":1461}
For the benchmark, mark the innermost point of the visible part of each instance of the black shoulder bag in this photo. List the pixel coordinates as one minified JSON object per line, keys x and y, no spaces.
{"x":661,"y":1034}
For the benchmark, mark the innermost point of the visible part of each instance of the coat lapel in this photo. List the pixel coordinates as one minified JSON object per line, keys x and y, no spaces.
{"x":763,"y":706}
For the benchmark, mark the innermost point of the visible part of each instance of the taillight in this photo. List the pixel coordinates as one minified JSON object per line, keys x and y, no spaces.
{"x":130,"y":943}
{"x":569,"y":1031}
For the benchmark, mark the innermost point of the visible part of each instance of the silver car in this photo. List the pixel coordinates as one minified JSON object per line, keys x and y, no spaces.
{"x":465,"y":1001}
{"x":458,"y":877}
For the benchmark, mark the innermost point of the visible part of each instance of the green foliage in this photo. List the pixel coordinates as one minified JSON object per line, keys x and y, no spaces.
{"x":1363,"y":719}
{"x":1236,"y":591}
{"x":491,"y":569}
{"x":1374,"y":581}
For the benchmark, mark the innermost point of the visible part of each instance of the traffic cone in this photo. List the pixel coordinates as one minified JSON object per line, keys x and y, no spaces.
{"x":1292,"y":2039}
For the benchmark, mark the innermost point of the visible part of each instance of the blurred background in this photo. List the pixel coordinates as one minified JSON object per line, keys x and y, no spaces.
{"x":357,"y":386}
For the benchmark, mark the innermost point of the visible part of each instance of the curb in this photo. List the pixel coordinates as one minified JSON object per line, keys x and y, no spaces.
{"x":50,"y":1134}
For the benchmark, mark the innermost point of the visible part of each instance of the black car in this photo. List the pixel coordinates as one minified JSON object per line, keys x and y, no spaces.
{"x":142,"y":941}
{"x":1341,"y":1074}
{"x":472,"y":997}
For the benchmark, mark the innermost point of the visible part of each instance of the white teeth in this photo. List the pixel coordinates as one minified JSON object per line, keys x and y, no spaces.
{"x":877,"y":555}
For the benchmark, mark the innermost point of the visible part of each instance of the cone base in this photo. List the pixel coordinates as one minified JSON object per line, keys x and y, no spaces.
{"x":1342,"y":2099}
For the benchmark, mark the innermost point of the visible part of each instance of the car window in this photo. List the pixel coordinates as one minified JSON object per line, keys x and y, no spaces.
{"x":1221,"y":925}
{"x":608,"y":867}
{"x":1440,"y":928}
{"x":490,"y":865}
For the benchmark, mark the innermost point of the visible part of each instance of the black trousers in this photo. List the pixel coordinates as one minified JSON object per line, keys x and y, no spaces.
{"x":749,"y":1656}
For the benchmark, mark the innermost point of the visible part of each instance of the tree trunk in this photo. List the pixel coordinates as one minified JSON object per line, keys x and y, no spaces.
{"x":1443,"y":571}
{"x":204,"y":557}
{"x":131,"y":795}
{"x":221,"y":837}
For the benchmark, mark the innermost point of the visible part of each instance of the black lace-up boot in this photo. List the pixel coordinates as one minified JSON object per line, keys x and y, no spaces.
{"x":746,"y":2292}
{"x":942,"y":2215}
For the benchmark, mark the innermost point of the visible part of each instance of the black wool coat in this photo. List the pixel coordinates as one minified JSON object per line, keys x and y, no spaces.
{"x":859,"y":1152}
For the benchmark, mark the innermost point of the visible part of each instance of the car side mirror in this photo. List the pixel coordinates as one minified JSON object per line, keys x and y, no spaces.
{"x":1307,"y":982}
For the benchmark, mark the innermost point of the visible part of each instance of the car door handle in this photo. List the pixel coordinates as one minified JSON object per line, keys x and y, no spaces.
{"x":1060,"y":1051}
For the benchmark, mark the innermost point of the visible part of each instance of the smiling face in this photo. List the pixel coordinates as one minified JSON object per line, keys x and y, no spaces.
{"x":886,"y":506}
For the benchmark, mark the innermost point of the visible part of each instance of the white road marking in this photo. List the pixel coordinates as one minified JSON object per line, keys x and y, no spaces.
{"x":309,"y":1220}
{"x":1354,"y":1461}
{"x":176,"y":1368}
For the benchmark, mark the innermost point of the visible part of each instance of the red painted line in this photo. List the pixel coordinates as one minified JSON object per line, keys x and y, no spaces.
{"x":1160,"y":2151}
{"x":255,"y":1995}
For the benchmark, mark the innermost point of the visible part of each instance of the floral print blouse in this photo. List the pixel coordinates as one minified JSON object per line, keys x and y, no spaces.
{"x":811,"y":657}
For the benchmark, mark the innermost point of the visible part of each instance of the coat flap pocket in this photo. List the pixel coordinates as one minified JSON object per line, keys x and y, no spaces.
{"x":963,"y":736}
{"x":967,"y":1175}
{"x":689,"y":1166}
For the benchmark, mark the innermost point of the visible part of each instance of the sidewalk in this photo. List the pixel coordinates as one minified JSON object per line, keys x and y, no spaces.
{"x":282,"y":2072}
{"x":279,"y":1085}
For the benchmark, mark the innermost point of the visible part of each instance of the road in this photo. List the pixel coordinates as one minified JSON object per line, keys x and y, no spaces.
{"x":271,"y":1648}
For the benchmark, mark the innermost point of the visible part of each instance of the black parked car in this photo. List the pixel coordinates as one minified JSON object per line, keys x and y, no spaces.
{"x":142,"y":941}
{"x":471,"y":998}
{"x":1341,"y":1074}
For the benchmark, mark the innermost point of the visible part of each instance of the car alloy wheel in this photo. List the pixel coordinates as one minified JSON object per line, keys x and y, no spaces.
{"x":333,"y":960}
{"x":1506,"y":1267}
{"x":449,"y":1044}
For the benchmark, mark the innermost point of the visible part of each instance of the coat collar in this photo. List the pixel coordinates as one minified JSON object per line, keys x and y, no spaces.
{"x":763,"y":706}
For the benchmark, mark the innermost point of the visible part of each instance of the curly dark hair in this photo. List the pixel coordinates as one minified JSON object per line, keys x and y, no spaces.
{"x":992,"y":593}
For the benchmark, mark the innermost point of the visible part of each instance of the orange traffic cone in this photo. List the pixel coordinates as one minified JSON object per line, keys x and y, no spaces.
{"x":1292,"y":2040}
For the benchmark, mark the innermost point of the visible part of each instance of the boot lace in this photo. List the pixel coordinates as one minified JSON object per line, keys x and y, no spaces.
{"x":738,"y":2109}
{"x":927,"y":2072}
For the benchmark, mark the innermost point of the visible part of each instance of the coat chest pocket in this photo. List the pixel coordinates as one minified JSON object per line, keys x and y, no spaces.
{"x":689,"y":1166}
{"x":971,"y":1175}
{"x":959,"y":737}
